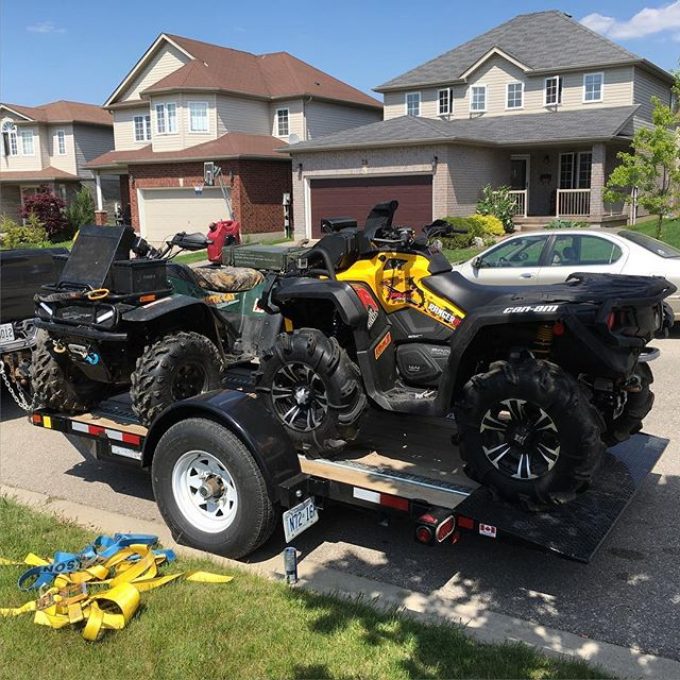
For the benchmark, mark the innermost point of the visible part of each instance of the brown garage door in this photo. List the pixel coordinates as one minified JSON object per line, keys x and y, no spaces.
{"x":355,"y":197}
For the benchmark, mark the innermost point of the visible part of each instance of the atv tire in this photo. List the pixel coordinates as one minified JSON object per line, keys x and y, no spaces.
{"x":58,"y":384}
{"x":313,"y":389}
{"x":177,"y":366}
{"x":638,"y":405}
{"x":529,"y":431}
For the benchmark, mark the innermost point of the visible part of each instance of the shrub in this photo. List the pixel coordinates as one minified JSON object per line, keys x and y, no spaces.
{"x":49,"y":209}
{"x":490,"y":224}
{"x":15,"y":235}
{"x":81,"y":210}
{"x":482,"y":227}
{"x":565,"y":224}
{"x":499,"y":203}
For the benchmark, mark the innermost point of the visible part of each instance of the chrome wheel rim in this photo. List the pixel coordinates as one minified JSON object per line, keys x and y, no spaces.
{"x":205,"y":491}
{"x":299,"y":397}
{"x":520,"y":439}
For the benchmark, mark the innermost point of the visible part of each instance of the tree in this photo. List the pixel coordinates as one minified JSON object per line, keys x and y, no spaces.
{"x":49,"y":210}
{"x":81,"y":210}
{"x":652,"y":167}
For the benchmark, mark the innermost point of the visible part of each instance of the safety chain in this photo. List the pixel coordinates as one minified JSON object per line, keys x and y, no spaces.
{"x":15,"y":393}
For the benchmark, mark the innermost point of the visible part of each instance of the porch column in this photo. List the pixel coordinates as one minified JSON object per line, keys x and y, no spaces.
{"x":597,"y":181}
{"x":100,"y":198}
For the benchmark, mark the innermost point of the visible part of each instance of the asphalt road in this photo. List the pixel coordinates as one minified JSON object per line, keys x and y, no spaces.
{"x":628,"y":595}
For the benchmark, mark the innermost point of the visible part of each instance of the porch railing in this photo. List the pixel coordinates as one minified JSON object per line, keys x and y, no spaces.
{"x":520,"y":196}
{"x":573,"y":202}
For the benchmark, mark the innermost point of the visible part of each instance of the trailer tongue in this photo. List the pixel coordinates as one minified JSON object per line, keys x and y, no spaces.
{"x":391,"y":469}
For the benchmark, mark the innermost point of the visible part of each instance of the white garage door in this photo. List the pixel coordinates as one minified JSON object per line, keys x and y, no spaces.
{"x":164,"y":212}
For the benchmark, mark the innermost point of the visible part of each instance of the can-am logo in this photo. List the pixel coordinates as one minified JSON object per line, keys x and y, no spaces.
{"x":444,"y":314}
{"x":541,"y":309}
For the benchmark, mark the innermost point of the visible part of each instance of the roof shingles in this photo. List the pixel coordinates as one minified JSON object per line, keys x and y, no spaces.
{"x":64,"y":112}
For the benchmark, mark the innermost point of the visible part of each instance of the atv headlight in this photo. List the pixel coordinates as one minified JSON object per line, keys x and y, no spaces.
{"x":105,"y":316}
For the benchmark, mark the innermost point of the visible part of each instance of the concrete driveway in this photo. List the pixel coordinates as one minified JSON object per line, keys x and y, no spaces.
{"x":629,"y":595}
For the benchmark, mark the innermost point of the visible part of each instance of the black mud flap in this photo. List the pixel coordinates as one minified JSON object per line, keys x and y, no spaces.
{"x":577,"y":529}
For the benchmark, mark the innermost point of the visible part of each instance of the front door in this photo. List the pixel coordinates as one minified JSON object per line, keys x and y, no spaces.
{"x":518,"y":174}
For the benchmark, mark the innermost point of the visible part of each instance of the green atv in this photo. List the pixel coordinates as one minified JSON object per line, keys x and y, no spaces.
{"x":165,"y":330}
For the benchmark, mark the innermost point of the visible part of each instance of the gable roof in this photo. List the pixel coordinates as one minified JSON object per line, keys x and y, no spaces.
{"x":543,"y":41}
{"x":519,"y":130}
{"x":63,"y":112}
{"x":272,"y":76}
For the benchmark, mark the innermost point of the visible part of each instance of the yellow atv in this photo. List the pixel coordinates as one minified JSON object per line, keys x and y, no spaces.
{"x":538,"y":378}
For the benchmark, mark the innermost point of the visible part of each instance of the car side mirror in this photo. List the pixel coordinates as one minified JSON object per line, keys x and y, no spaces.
{"x":477,"y":263}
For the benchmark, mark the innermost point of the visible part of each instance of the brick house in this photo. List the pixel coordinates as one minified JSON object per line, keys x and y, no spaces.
{"x":540,"y":103}
{"x":186,"y":102}
{"x":50,"y":145}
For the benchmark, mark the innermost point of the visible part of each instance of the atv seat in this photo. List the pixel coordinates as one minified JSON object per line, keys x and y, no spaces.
{"x":227,"y":279}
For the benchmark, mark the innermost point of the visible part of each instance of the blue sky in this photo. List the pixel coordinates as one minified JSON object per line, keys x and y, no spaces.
{"x":81,"y":50}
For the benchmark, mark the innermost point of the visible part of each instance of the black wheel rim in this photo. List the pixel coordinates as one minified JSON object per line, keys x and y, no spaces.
{"x":299,"y":397}
{"x":520,"y":439}
{"x":188,"y":381}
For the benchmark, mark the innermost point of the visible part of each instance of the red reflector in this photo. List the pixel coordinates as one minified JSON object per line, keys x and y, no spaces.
{"x":385,"y":499}
{"x":427,"y":518}
{"x":445,"y":529}
{"x":558,"y":328}
{"x":466,"y":522}
{"x":131,"y":438}
{"x":95,"y":430}
{"x":611,"y":320}
{"x":424,"y":534}
{"x":36,"y":418}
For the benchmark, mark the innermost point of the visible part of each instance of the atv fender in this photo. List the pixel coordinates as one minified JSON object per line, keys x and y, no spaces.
{"x":162,"y":307}
{"x":243,"y":414}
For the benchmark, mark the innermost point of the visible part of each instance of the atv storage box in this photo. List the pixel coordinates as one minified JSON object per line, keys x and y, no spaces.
{"x":139,"y":276}
{"x":273,"y":258}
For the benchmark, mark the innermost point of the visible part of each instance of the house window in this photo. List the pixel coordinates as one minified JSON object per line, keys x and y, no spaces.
{"x":166,"y":119}
{"x":142,"y":128}
{"x":282,"y":123}
{"x":575,"y":170}
{"x":553,"y":90}
{"x":27,"y":142}
{"x":9,"y":138}
{"x":444,"y":101}
{"x":478,"y":98}
{"x":413,"y":103}
{"x":592,"y":87}
{"x":60,"y":142}
{"x":198,"y":117}
{"x":515,"y":96}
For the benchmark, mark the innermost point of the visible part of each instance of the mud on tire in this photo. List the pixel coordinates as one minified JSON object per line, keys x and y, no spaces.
{"x":177,"y":366}
{"x":58,"y":384}
{"x":529,"y":431}
{"x":314,"y":390}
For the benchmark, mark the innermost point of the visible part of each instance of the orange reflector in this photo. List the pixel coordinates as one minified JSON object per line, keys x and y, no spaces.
{"x":36,"y":418}
{"x":147,"y":298}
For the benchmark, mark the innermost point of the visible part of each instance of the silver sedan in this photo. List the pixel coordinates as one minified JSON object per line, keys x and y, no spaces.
{"x":551,"y":256}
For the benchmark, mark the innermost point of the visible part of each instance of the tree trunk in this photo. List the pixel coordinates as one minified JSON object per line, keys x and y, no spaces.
{"x":659,"y":222}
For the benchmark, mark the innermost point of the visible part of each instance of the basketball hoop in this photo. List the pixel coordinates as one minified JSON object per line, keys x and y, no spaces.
{"x":198,"y":189}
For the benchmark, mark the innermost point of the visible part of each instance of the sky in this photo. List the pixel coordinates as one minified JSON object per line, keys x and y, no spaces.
{"x":81,"y":50}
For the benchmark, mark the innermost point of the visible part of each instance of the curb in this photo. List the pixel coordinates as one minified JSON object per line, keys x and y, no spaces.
{"x":483,"y":625}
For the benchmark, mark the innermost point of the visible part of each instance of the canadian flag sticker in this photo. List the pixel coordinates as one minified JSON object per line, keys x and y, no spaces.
{"x":487,"y":530}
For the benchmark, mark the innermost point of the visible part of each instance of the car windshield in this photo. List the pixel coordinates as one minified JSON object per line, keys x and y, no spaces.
{"x":648,"y":243}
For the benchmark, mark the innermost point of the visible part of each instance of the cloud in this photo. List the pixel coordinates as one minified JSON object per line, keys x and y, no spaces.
{"x":45,"y":27}
{"x":647,"y":21}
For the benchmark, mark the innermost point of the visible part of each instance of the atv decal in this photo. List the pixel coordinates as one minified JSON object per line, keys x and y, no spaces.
{"x":219,"y":298}
{"x":444,"y":315}
{"x":383,"y":345}
{"x":545,"y":309}
{"x":369,"y":304}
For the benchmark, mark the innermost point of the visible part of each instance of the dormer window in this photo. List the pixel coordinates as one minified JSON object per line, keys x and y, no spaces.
{"x":553,"y":91}
{"x":445,"y":101}
{"x":413,"y":103}
{"x":478,"y":98}
{"x":282,"y":122}
{"x":142,"y":128}
{"x":592,"y":87}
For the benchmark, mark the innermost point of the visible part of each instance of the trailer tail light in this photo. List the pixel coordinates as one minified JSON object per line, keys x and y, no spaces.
{"x":424,"y":535}
{"x":435,"y":526}
{"x":611,"y":320}
{"x":466,"y":522}
{"x":445,"y":529}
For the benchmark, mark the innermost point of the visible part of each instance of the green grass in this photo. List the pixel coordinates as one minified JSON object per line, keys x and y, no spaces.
{"x":670,"y":230}
{"x":457,"y":255}
{"x":188,"y":258}
{"x":249,"y":628}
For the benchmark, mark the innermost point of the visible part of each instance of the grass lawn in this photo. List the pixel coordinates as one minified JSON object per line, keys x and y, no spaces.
{"x":670,"y":231}
{"x":249,"y":628}
{"x":457,"y":255}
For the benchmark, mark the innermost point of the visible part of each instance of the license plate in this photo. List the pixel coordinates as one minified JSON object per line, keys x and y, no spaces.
{"x":299,"y":519}
{"x":6,"y":332}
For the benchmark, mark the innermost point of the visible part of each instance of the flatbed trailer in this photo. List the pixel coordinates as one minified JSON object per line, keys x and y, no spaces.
{"x":398,"y":465}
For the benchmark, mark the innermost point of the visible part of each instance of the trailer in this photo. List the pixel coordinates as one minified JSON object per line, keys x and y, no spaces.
{"x":224,"y":472}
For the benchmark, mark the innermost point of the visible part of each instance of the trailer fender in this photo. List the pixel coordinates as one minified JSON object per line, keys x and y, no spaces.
{"x":244,"y":415}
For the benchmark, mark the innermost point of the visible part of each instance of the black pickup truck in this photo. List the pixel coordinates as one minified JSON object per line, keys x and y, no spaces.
{"x":22,"y":273}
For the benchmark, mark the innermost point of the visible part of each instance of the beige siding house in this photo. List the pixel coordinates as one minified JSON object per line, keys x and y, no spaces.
{"x":186,"y":103}
{"x":50,"y":145}
{"x":540,"y":103}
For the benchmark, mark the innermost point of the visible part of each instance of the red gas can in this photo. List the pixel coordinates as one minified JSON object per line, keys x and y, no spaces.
{"x":222,"y":233}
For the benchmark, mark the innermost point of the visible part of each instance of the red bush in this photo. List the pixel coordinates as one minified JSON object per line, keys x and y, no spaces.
{"x":49,"y":209}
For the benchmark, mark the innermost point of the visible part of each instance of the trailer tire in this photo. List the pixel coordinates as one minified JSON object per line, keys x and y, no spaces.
{"x":239,"y":515}
{"x":529,"y":431}
{"x":157,"y":382}
{"x":638,"y":405}
{"x":58,"y":384}
{"x":330,"y":379}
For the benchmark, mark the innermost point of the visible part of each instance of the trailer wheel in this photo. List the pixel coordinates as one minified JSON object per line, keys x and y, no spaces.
{"x":314,"y":390}
{"x":638,"y":405}
{"x":210,"y":490}
{"x":57,"y":384}
{"x":178,"y":366}
{"x":529,"y":431}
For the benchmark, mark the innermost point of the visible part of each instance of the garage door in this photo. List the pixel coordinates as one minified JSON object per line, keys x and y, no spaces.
{"x":164,"y":212}
{"x":355,"y":197}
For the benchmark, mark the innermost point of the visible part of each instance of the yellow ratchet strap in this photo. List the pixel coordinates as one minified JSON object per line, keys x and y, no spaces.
{"x":118,"y":583}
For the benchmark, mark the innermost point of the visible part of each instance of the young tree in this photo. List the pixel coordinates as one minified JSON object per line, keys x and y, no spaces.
{"x":49,"y":210}
{"x":653,"y":165}
{"x":81,"y":209}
